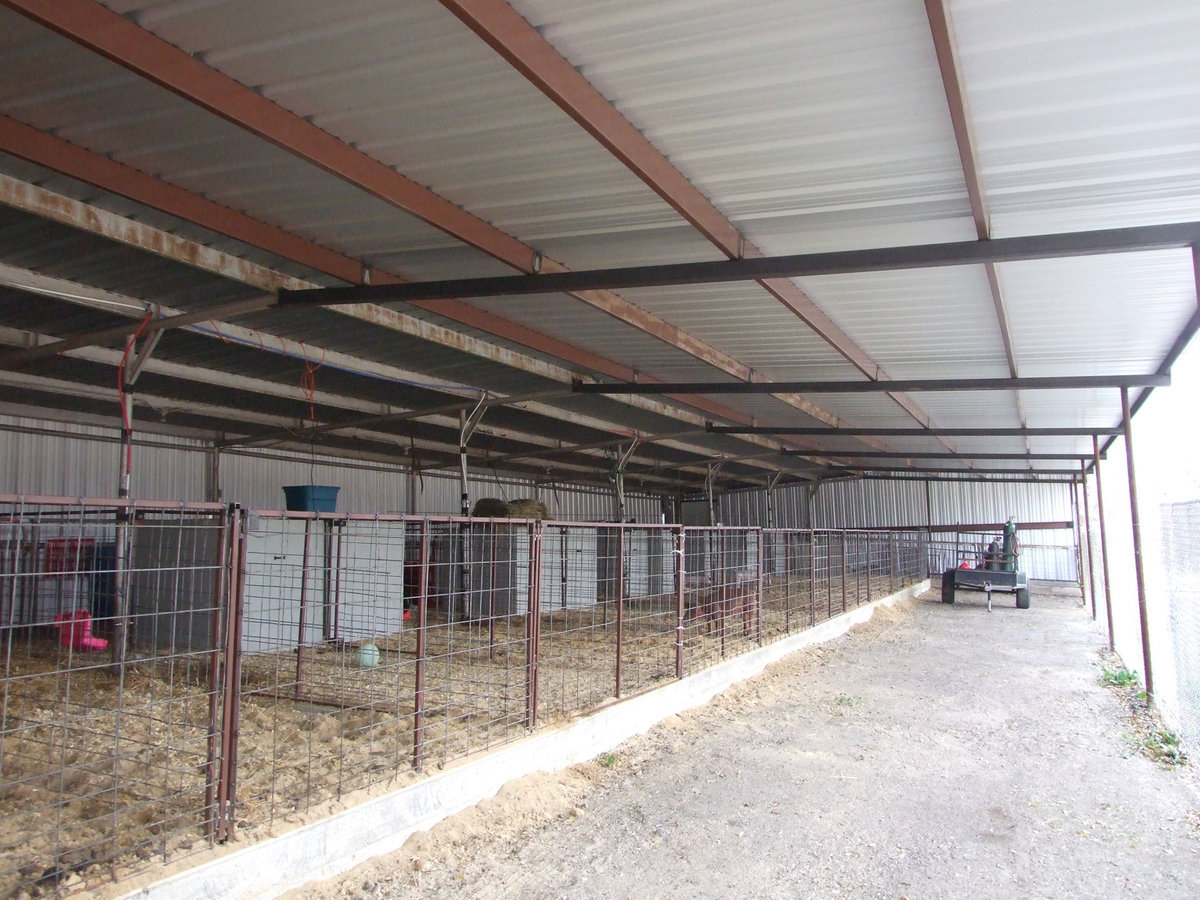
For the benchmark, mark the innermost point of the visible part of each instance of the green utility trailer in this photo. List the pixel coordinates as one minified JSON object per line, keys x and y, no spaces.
{"x":989,"y":581}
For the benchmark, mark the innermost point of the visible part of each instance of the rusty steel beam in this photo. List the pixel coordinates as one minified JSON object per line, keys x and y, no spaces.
{"x":1041,"y":383}
{"x":946,"y":47}
{"x":912,"y":432}
{"x":1138,"y":565}
{"x":1139,"y":238}
{"x":121,"y":40}
{"x":103,"y":31}
{"x":52,"y":152}
{"x":910,"y":454}
{"x":521,"y":45}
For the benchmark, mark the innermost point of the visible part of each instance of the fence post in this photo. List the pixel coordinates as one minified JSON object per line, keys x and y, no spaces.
{"x":758,"y":594}
{"x":620,"y":601}
{"x":787,"y":582}
{"x":418,"y":753}
{"x":220,"y":615}
{"x":533,"y":622}
{"x":680,"y":572}
{"x":870,"y":590}
{"x":303,"y":609}
{"x":812,"y":577}
{"x":843,"y":570}
{"x":231,"y":699}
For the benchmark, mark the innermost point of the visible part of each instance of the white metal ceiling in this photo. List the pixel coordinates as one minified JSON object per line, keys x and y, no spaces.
{"x":811,"y":126}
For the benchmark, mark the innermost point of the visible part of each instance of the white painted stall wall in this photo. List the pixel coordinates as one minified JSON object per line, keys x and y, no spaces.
{"x":80,"y":461}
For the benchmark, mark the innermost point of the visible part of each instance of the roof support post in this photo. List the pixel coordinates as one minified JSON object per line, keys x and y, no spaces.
{"x":1139,"y":571}
{"x":714,"y":469}
{"x":1087,"y":529}
{"x":1103,"y":541}
{"x":466,"y":428}
{"x":771,"y":482}
{"x":624,"y":454}
{"x":1077,"y":533}
{"x":212,"y":474}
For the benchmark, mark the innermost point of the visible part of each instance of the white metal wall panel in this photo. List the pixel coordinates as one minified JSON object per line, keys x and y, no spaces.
{"x":964,"y":503}
{"x":82,"y":462}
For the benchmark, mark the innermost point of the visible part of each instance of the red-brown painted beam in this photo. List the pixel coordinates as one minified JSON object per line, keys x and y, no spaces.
{"x":54,"y":153}
{"x":99,"y":29}
{"x":523,"y":47}
{"x":946,"y":47}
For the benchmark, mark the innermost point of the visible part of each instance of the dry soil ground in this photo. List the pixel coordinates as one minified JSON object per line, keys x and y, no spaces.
{"x":938,"y":751}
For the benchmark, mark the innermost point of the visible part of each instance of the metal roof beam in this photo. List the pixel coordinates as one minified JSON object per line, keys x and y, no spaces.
{"x":28,"y":143}
{"x":837,"y":262}
{"x":103,"y":31}
{"x":1060,"y":382}
{"x":908,"y":454}
{"x":950,"y":470}
{"x":1028,"y":478}
{"x":521,"y":45}
{"x":913,"y":432}
{"x":946,"y":47}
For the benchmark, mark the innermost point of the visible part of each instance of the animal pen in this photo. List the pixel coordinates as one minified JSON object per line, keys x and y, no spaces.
{"x":242,"y":667}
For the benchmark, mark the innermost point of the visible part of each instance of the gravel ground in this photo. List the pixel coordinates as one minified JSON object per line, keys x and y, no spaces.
{"x":937,"y":751}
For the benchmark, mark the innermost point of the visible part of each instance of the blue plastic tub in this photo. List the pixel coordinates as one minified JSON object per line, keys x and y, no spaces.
{"x":311,"y":497}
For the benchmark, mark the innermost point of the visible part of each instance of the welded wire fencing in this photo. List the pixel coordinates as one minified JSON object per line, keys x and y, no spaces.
{"x":175,"y":675}
{"x":1041,"y":561}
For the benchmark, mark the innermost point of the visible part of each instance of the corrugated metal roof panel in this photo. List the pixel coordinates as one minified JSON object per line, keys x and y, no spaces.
{"x":919,"y":323}
{"x":1084,"y":111}
{"x":744,"y":321}
{"x":1115,"y":314}
{"x":807,"y":124}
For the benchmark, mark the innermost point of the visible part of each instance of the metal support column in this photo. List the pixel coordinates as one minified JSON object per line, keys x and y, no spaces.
{"x":1077,"y":529}
{"x":1139,"y":570}
{"x":1103,"y":541}
{"x":1087,"y":530}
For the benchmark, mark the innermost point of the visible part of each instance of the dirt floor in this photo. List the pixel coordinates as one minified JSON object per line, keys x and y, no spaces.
{"x":937,"y":751}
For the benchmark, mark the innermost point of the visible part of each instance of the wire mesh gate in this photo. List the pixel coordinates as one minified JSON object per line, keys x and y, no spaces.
{"x":175,"y":673}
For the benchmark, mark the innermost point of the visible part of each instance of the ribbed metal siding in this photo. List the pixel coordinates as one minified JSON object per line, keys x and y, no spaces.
{"x":82,"y":462}
{"x":876,"y":504}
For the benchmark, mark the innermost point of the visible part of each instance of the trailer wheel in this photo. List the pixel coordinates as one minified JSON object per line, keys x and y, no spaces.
{"x":1023,"y":598}
{"x":948,"y":586}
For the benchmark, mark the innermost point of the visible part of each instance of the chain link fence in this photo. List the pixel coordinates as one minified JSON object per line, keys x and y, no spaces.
{"x":1181,"y":558}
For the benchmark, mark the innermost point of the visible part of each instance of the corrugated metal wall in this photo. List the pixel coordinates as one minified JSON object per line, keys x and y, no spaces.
{"x":76,"y":461}
{"x":1050,"y":554}
{"x":900,"y":503}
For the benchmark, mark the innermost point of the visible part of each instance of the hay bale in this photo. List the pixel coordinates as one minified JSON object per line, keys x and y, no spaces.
{"x":527,"y":508}
{"x":491,"y":508}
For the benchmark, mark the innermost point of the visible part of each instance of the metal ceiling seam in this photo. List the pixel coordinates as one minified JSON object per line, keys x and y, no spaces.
{"x":30,"y":144}
{"x":508,"y":33}
{"x":125,"y":43}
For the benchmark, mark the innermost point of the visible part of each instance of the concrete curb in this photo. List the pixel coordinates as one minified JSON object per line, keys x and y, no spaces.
{"x":338,"y":843}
